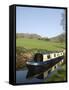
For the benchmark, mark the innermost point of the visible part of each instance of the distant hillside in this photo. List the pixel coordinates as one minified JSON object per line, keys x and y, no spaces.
{"x":58,"y":38}
{"x":27,"y":35}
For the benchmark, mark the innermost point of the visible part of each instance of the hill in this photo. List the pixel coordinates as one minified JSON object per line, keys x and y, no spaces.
{"x":59,"y":38}
{"x":27,"y":35}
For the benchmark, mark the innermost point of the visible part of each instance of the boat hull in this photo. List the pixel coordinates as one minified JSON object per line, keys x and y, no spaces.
{"x":37,"y":67}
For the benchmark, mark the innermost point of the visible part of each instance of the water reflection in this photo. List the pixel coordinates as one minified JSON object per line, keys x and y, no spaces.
{"x":24,"y":76}
{"x":41,"y":75}
{"x":35,"y":75}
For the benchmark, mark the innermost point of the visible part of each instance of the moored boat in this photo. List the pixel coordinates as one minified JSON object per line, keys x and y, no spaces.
{"x":41,"y":66}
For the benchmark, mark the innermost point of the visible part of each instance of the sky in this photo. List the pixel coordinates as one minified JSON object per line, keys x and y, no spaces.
{"x":42,"y":21}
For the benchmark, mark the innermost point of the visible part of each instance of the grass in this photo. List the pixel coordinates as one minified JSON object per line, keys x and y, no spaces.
{"x":39,"y":44}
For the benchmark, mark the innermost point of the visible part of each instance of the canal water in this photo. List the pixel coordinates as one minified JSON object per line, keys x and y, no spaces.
{"x":23,"y":76}
{"x":26,"y":76}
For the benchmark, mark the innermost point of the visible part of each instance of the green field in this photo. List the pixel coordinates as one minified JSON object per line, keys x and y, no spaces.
{"x":39,"y":44}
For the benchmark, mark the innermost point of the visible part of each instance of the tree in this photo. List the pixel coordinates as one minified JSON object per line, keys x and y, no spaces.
{"x":63,"y":21}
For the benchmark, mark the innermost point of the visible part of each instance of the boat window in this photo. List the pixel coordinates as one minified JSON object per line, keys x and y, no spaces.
{"x":61,"y":53}
{"x":58,"y":54}
{"x":54,"y":55}
{"x":48,"y":56}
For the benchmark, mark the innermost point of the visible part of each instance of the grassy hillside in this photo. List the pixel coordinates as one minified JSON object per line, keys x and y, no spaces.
{"x":39,"y":44}
{"x":59,"y":38}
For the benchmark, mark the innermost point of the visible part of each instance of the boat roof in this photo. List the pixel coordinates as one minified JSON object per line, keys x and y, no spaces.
{"x":49,"y":52}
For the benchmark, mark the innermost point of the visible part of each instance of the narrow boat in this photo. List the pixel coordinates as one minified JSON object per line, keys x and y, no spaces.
{"x":38,"y":65}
